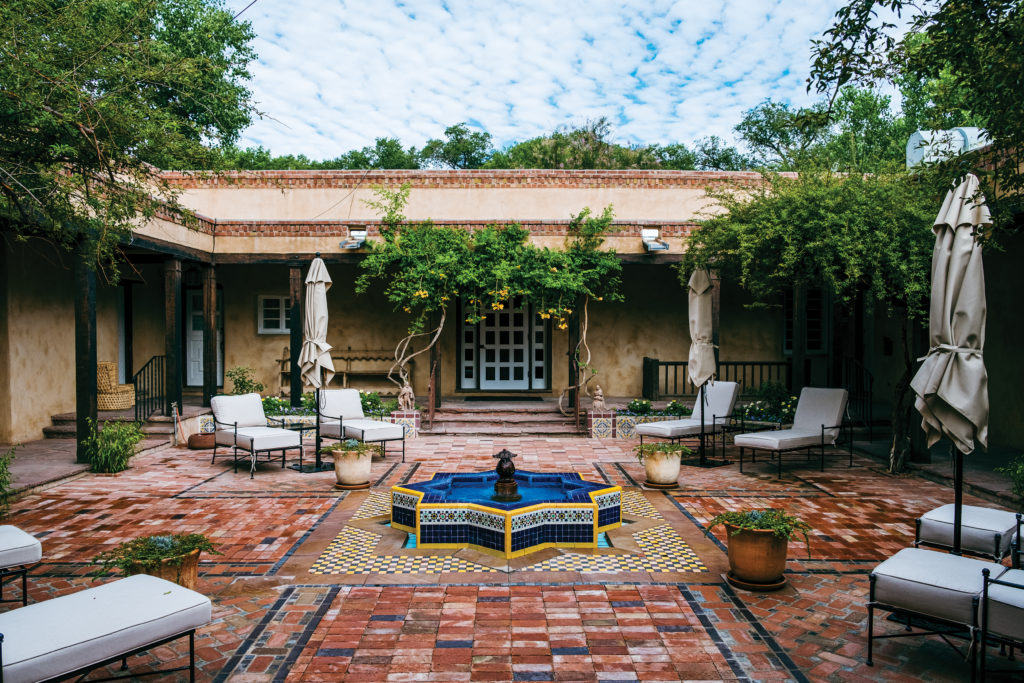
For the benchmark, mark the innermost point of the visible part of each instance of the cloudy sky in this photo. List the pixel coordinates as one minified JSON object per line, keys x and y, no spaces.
{"x":333,"y":75}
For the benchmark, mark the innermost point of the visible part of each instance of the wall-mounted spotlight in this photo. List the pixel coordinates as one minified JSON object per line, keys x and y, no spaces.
{"x":652,"y":239}
{"x":355,"y":239}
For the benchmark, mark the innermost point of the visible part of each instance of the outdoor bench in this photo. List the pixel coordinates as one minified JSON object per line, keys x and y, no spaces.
{"x":71,"y":635}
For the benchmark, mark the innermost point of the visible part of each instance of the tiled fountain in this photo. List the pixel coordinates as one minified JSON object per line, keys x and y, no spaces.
{"x":506,"y":512}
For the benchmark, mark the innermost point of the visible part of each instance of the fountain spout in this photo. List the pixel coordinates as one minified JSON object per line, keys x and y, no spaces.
{"x":506,"y":490}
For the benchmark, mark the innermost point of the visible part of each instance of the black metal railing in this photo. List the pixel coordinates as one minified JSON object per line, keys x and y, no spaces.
{"x":859,"y":382}
{"x":669,"y":379}
{"x":149,"y":388}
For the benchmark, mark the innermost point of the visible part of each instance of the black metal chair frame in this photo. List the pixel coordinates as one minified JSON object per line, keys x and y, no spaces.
{"x":1013,"y":551}
{"x":341,"y":434}
{"x":955,"y":631}
{"x":987,"y":637}
{"x":777,"y":453}
{"x":6,"y":573}
{"x":123,"y":658}
{"x":714,"y":422}
{"x":253,"y":454}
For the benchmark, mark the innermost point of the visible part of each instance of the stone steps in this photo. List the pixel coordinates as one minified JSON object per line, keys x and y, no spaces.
{"x":63,"y":426}
{"x":505,"y":419}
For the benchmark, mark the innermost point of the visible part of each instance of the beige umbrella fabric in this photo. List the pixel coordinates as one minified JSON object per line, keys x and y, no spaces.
{"x":701,"y":363}
{"x":952,"y":384}
{"x":315,"y":356}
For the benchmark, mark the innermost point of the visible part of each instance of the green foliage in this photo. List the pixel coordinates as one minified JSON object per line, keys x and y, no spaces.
{"x":774,"y":520}
{"x":94,"y":92}
{"x":384,"y":153}
{"x":111,"y":448}
{"x":462,"y":148}
{"x":639,"y":406}
{"x":678,"y":409}
{"x":143,"y":555}
{"x":350,"y":446}
{"x":963,"y":61}
{"x":676,"y":449}
{"x":1015,"y":471}
{"x":243,"y":380}
{"x":6,"y":481}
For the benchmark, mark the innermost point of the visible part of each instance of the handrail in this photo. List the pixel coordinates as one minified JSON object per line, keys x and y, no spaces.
{"x":149,"y":388}
{"x":859,"y":382}
{"x":669,"y":379}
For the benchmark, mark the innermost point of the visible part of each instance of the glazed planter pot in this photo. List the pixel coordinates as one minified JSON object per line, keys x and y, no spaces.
{"x":182,"y":570}
{"x":662,"y":469}
{"x":757,"y":558}
{"x":352,"y":469}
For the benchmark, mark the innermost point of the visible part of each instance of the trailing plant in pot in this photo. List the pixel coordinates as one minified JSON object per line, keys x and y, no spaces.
{"x":173,"y":557}
{"x":661,"y":460}
{"x":352,"y":461}
{"x":758,"y":542}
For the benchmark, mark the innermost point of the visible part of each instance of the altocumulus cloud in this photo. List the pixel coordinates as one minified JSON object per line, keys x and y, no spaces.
{"x":333,"y":75}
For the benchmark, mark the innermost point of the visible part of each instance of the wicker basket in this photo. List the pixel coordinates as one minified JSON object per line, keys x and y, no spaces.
{"x":109,"y":394}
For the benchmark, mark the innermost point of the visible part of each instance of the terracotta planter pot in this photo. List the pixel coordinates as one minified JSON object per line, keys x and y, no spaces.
{"x":352,"y":469}
{"x":185,"y":574}
{"x":200,"y":442}
{"x":662,"y":469}
{"x":757,"y":558}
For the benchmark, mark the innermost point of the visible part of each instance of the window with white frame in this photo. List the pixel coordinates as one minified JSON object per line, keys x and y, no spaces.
{"x":274,"y":314}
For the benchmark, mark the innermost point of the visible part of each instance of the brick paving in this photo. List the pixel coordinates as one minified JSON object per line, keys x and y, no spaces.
{"x":545,"y":618}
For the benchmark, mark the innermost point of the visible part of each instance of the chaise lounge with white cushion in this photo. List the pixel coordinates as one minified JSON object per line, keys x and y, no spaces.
{"x":717,"y":410}
{"x":985,"y":532}
{"x":339,"y":415}
{"x":817,"y":422}
{"x":74,"y":634}
{"x":18,"y":551}
{"x":239,"y":422}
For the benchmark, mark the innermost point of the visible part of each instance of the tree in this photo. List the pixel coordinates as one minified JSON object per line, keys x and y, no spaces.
{"x":970,"y":55}
{"x":852,"y":234}
{"x":586,"y":146}
{"x":93,"y":92}
{"x":780,"y":137}
{"x":712,"y":154}
{"x":462,"y":148}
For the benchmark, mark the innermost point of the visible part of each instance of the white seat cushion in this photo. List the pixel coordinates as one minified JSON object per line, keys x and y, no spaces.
{"x":1006,"y":606}
{"x":246,"y":410}
{"x":779,"y":439}
{"x":977,"y":532}
{"x":18,"y":547}
{"x":55,"y":637}
{"x":260,"y":438}
{"x":373,"y":430}
{"x":340,"y":403}
{"x":331,"y":429}
{"x":672,"y":429}
{"x":721,"y":401}
{"x":820,"y":407}
{"x":932,"y":583}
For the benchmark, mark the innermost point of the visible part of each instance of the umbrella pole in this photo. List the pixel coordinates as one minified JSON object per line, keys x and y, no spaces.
{"x":703,"y":407}
{"x":316,"y":405}
{"x":958,"y":496}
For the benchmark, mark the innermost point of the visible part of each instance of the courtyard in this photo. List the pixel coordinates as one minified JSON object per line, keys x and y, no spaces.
{"x":313,"y":586}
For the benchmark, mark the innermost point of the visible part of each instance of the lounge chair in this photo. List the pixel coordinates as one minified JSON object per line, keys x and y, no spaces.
{"x":943,"y":592}
{"x":1002,"y":612}
{"x":74,"y":634}
{"x":339,"y":415}
{"x":18,"y":551}
{"x":239,"y":422}
{"x":985,"y":532}
{"x":817,"y":423}
{"x":721,"y":400}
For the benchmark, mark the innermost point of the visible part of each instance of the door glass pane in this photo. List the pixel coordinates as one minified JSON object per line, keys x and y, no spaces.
{"x":503,"y":335}
{"x":517,"y":373}
{"x":503,"y":374}
{"x":503,"y":355}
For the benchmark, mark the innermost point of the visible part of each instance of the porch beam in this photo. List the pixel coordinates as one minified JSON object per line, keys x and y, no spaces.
{"x":289,"y":259}
{"x":85,"y":348}
{"x":209,"y":333}
{"x":172,"y":333}
{"x":295,"y":289}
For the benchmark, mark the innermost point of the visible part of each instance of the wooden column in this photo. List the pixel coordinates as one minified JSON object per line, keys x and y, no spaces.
{"x":295,"y":288}
{"x":172,"y":333}
{"x":85,"y":347}
{"x":209,"y":333}
{"x":129,"y":327}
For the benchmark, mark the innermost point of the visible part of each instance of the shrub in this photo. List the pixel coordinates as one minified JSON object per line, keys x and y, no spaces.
{"x":772,"y":519}
{"x":678,"y":409}
{"x":6,"y":481}
{"x":243,"y":380}
{"x":372,"y":404}
{"x":639,"y":406}
{"x":146,"y":554}
{"x":275,"y":405}
{"x":350,"y":445}
{"x":1015,"y":471}
{"x":111,"y":448}
{"x":661,"y":447}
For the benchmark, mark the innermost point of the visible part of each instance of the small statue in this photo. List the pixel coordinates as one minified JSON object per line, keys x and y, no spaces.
{"x":406,"y":399}
{"x":598,"y":399}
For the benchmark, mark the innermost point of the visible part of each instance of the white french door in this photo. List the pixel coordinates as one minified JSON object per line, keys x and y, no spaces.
{"x":194,"y":339}
{"x":507,"y":351}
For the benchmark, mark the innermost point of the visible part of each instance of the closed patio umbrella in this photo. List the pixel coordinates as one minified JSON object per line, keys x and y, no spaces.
{"x":952,"y":384}
{"x":701,"y":362}
{"x":315,"y":357}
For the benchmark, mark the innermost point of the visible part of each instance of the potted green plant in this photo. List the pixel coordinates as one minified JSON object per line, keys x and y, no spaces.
{"x":172,"y":557}
{"x":758,"y":542}
{"x":661,"y":460}
{"x":352,"y":461}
